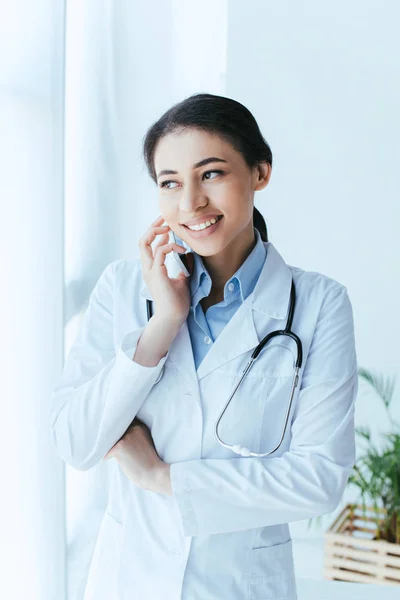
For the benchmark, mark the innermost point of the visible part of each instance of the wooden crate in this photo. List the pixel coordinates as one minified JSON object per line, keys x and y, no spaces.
{"x":352,"y":554}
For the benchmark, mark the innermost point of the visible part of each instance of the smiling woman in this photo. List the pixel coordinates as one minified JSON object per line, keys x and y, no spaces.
{"x":177,"y":484}
{"x":217,"y":131}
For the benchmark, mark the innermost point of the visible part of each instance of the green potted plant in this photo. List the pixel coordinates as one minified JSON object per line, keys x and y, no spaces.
{"x":377,"y":472}
{"x":363,"y":543}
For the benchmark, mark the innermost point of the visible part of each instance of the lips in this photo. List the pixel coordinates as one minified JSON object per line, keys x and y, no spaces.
{"x":206,"y":232}
{"x":218,"y":217}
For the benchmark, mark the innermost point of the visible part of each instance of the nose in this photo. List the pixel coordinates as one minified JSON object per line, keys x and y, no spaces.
{"x":192,"y":199}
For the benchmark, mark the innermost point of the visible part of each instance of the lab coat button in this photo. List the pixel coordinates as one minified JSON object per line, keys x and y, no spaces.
{"x":207,"y":340}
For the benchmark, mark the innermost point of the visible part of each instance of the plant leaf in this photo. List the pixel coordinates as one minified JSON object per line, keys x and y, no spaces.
{"x":364,"y":432}
{"x":383,"y":384}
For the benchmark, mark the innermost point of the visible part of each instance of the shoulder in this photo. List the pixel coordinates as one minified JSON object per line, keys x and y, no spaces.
{"x":127,"y":275}
{"x":311,"y":287}
{"x":118,"y":290}
{"x":323,"y":295}
{"x":119,"y":276}
{"x":126,"y":267}
{"x":316,"y":282}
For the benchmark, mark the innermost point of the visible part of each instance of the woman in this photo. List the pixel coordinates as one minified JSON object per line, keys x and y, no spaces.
{"x":187,"y":517}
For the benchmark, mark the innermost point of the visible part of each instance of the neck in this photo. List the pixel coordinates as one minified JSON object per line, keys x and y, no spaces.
{"x":223,"y":265}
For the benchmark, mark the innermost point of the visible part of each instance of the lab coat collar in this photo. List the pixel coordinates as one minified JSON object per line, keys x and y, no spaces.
{"x":245,"y":276}
{"x":271,"y":295}
{"x":270,"y":298}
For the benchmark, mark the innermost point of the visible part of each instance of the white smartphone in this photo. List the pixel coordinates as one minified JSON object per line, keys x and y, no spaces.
{"x":180,"y":259}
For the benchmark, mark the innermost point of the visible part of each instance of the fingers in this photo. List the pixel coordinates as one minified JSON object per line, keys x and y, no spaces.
{"x":163,"y":239}
{"x":157,"y":257}
{"x":164,"y":249}
{"x":147,"y":239}
{"x":158,"y":221}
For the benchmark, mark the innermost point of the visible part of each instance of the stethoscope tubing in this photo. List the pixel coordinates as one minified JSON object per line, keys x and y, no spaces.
{"x":236,"y":448}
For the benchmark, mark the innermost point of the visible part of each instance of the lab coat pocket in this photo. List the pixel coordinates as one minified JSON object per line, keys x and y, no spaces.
{"x":272,"y":574}
{"x":103,"y":572}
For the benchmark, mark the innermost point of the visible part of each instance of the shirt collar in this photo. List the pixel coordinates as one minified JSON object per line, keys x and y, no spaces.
{"x":244,"y":279}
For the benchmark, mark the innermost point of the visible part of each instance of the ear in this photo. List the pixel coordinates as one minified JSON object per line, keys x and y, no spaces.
{"x":262,"y":175}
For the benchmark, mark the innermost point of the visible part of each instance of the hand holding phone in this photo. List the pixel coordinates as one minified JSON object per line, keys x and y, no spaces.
{"x":168,"y":284}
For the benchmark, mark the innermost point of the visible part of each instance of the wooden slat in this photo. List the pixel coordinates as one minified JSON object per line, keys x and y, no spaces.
{"x":348,"y":540}
{"x":363,"y":519}
{"x":370,"y":556}
{"x":339,"y":519}
{"x":341,"y":575}
{"x":351,"y":553}
{"x":358,"y":528}
{"x":374,"y":570}
{"x":358,"y":513}
{"x":371,"y":509}
{"x":346,"y":576}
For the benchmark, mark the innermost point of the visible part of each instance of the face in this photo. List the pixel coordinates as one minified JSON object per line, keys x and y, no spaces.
{"x":200,"y":178}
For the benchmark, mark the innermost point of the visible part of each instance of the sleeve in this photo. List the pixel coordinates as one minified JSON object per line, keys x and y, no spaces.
{"x":222,"y":495}
{"x":101,"y":390}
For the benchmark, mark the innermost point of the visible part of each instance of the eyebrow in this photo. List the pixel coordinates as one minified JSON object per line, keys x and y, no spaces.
{"x":201,"y":163}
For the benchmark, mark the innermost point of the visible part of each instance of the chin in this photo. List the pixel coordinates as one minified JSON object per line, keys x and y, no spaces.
{"x":208,"y":249}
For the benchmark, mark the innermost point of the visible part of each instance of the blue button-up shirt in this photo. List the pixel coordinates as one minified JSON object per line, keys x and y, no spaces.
{"x":205,"y":328}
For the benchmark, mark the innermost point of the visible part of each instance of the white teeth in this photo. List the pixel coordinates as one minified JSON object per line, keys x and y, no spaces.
{"x":203,"y":225}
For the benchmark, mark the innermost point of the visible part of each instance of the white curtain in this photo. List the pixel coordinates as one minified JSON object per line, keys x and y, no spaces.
{"x":124,"y":65}
{"x":32,"y":527}
{"x":80,"y":83}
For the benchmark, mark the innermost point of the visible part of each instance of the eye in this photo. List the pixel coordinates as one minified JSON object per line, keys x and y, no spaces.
{"x":165,"y":183}
{"x":217,"y":171}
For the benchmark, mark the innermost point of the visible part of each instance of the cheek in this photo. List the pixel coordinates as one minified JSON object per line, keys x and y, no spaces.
{"x":167,"y":210}
{"x":237,"y":202}
{"x":236,"y":189}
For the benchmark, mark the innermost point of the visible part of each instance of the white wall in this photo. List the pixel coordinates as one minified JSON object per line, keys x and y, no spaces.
{"x":161,"y":60}
{"x":322,"y":80}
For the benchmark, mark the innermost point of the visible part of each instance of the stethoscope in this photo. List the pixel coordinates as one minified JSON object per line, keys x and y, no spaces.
{"x":299,"y":359}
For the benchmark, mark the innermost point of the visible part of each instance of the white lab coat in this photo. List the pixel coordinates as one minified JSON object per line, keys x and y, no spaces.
{"x":224,"y":534}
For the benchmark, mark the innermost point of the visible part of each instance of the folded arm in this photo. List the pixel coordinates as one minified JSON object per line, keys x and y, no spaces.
{"x":222,"y":495}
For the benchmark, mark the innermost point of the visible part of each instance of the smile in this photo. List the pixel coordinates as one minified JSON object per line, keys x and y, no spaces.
{"x":204,"y":229}
{"x":203,"y":225}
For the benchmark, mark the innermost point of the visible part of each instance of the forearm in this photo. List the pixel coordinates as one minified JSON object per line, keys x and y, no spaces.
{"x":223,"y":495}
{"x":159,"y":480}
{"x":156,"y":340}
